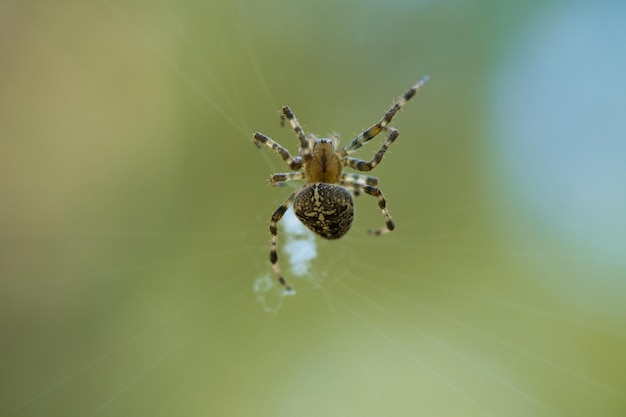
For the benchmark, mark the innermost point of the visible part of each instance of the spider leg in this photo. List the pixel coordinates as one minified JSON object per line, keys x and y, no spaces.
{"x":294,"y":163}
{"x":374,"y":130}
{"x":282,"y":177}
{"x":278,"y":214}
{"x":362,"y":165}
{"x":349,"y":178}
{"x":305,"y":149}
{"x":354,"y":188}
{"x":382,"y":204}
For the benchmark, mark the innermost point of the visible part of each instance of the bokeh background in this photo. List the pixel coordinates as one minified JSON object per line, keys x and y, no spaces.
{"x":134,"y":209}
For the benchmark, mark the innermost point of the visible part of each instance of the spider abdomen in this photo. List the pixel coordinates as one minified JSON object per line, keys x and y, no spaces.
{"x":326,"y":209}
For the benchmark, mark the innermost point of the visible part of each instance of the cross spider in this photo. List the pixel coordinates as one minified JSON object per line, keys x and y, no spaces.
{"x":324,"y":204}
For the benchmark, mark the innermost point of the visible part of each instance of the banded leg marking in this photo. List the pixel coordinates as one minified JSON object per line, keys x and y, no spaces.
{"x":294,"y":163}
{"x":278,"y":214}
{"x":349,"y":178}
{"x":282,"y":177}
{"x":382,"y":204}
{"x":362,"y":165}
{"x":305,"y":150}
{"x":368,"y":134}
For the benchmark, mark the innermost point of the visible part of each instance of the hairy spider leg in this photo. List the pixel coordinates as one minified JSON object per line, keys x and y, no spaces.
{"x":362,"y":165}
{"x":382,"y":205}
{"x":305,"y":149}
{"x":278,"y":214}
{"x":348,"y":178}
{"x":370,"y":133}
{"x":280,"y":178}
{"x":354,"y":182}
{"x":294,"y":163}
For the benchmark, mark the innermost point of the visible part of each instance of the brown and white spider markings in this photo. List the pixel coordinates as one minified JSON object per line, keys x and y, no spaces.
{"x":324,"y":204}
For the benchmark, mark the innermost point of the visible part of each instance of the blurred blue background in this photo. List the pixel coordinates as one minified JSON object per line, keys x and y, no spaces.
{"x":134,"y":212}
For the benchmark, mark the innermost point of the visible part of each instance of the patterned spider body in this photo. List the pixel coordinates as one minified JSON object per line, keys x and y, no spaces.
{"x":326,"y":209}
{"x":324,"y":204}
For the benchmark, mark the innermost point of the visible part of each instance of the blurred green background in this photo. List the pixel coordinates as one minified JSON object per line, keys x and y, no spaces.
{"x":134,"y":209}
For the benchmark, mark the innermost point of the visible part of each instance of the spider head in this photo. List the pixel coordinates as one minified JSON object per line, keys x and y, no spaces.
{"x":323,"y":142}
{"x":332,"y":140}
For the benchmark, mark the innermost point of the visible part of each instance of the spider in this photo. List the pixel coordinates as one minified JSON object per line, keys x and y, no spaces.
{"x":324,"y":204}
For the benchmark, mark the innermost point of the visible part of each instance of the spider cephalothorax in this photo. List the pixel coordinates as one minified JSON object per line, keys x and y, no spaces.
{"x":324,"y":204}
